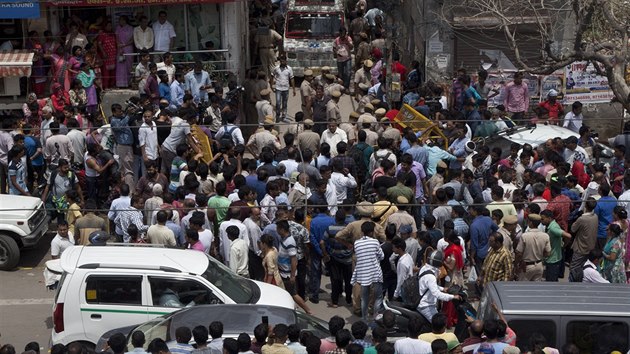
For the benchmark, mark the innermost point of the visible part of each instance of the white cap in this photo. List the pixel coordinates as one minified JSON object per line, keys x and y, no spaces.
{"x":552,"y":93}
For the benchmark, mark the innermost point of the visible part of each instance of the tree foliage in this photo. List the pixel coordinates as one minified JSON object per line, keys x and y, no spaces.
{"x":569,"y":30}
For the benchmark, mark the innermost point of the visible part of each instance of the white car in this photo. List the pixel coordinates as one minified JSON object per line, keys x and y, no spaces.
{"x":534,"y":136}
{"x":107,"y":287}
{"x":23,"y":222}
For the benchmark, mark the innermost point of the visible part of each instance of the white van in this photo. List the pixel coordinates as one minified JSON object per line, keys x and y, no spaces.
{"x":107,"y":287}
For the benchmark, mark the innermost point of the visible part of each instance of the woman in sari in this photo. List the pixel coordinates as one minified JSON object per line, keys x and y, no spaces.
{"x":59,"y":97}
{"x":620,"y":217}
{"x":59,"y":69}
{"x":32,"y":109}
{"x":107,"y":47}
{"x":78,"y":95}
{"x":74,"y":63}
{"x":613,"y":264}
{"x":124,"y":38}
{"x":87,"y":77}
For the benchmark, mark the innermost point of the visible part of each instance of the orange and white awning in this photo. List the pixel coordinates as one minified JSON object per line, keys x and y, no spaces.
{"x":16,"y":63}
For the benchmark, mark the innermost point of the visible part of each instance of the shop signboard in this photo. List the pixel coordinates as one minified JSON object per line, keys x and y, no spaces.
{"x":130,"y":2}
{"x":11,"y":9}
{"x":582,"y":83}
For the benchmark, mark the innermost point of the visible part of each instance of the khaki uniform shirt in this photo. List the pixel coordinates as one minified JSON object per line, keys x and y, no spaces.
{"x":264,"y":108}
{"x":392,"y":133}
{"x":267,"y":41}
{"x":363,"y":102}
{"x":371,"y":137}
{"x":361,"y":76}
{"x":332,"y":111}
{"x":350,"y":130}
{"x":329,"y":89}
{"x":308,"y":140}
{"x":263,"y":138}
{"x":533,"y":245}
{"x":366,"y":118}
{"x":352,"y":231}
{"x":400,"y":218}
{"x":306,"y":90}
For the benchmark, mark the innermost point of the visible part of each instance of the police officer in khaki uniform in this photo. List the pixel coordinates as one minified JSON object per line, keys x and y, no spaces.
{"x":332,"y":107}
{"x":331,"y":84}
{"x":264,"y":107}
{"x":390,"y":132}
{"x":263,"y":137}
{"x":307,"y":93}
{"x":350,"y":128}
{"x":508,"y":231}
{"x":531,"y":250}
{"x":362,"y":76}
{"x":365,"y":98}
{"x":368,"y":115}
{"x":266,"y":40}
{"x":308,"y":139}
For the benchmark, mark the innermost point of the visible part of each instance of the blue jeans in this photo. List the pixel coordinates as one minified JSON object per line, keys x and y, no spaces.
{"x":315,"y":277}
{"x":282,"y":99}
{"x":343,"y":71}
{"x":365,"y":298}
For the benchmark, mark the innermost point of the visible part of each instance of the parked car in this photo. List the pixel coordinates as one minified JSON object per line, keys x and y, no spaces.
{"x":595,"y":317}
{"x":106,"y":287}
{"x":236,"y":319}
{"x":23,"y":222}
{"x":535,"y":135}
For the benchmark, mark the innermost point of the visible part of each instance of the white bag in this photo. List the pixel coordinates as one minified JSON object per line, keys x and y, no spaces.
{"x":472,"y":276}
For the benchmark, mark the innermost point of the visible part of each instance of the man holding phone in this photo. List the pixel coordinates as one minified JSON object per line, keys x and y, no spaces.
{"x":196,"y":82}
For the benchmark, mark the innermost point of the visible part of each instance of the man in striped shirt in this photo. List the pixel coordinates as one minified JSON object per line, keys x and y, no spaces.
{"x":131,"y":215}
{"x":367,"y":271}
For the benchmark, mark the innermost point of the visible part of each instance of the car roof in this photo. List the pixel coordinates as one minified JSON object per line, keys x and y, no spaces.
{"x":563,"y":298}
{"x":134,"y":257}
{"x":538,"y":135}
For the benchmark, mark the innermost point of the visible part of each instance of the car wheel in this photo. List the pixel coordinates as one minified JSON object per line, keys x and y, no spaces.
{"x":9,"y":253}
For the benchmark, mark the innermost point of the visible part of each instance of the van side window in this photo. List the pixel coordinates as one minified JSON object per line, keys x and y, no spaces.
{"x":123,"y":290}
{"x":525,"y":328}
{"x":598,"y":337}
{"x":169,"y":292}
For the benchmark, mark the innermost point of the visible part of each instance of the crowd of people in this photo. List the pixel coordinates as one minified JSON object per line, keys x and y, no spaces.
{"x":357,"y":198}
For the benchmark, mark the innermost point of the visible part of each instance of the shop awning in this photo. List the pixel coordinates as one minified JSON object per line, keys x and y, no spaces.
{"x":16,"y":63}
{"x":83,"y":3}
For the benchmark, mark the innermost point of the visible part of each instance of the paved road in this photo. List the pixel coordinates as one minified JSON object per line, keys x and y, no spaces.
{"x":26,"y":305}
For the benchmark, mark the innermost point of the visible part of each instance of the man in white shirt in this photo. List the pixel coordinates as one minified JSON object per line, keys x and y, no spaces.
{"x":74,"y":38}
{"x":164,"y":33}
{"x":196,"y":82}
{"x":230,"y":129}
{"x":282,"y":77}
{"x":573,"y":120}
{"x":168,"y":66}
{"x":574,"y":152}
{"x":591,"y":274}
{"x":238,"y":252}
{"x":332,"y":136}
{"x":411,"y":344}
{"x":342,"y":180}
{"x":252,"y":223}
{"x":143,"y":35}
{"x":77,"y":139}
{"x":62,"y":241}
{"x":290,"y":164}
{"x":404,"y":267}
{"x":205,"y":236}
{"x":147,"y":138}
{"x":231,"y":219}
{"x":429,"y":288}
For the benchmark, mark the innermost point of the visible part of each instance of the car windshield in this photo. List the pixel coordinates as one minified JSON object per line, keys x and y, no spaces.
{"x":156,"y":328}
{"x":313,"y":25}
{"x":236,"y":288}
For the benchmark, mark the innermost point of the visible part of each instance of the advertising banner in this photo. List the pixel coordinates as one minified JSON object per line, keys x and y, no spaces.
{"x":11,"y":9}
{"x":582,"y":83}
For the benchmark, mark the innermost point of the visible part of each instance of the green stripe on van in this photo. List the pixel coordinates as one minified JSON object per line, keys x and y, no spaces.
{"x":126,"y":311}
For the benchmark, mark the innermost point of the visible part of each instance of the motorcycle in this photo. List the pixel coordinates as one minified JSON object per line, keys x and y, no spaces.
{"x":464,"y":309}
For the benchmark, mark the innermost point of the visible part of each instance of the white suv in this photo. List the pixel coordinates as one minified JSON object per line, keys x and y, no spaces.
{"x":23,"y":222}
{"x":107,"y":287}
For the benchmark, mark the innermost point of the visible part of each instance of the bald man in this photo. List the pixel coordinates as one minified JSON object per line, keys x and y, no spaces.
{"x":475,"y":330}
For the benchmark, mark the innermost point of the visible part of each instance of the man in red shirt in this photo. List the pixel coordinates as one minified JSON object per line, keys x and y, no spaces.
{"x":560,"y":205}
{"x":554,"y":107}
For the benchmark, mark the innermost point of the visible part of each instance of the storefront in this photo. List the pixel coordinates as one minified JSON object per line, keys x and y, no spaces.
{"x":196,"y":22}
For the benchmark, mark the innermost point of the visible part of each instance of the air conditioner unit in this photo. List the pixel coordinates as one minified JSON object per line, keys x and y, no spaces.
{"x":10,"y":86}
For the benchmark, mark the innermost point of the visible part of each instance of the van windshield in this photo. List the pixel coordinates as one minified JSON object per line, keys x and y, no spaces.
{"x":236,"y":288}
{"x":313,"y":25}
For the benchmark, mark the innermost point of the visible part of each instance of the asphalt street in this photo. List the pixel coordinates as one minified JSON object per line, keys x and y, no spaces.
{"x":26,"y":304}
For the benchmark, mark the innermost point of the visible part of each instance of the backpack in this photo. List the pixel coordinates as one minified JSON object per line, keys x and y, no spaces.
{"x":410,"y":290}
{"x":380,"y":159}
{"x":226,"y":138}
{"x":60,"y":203}
{"x":357,"y":154}
{"x":577,"y":275}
